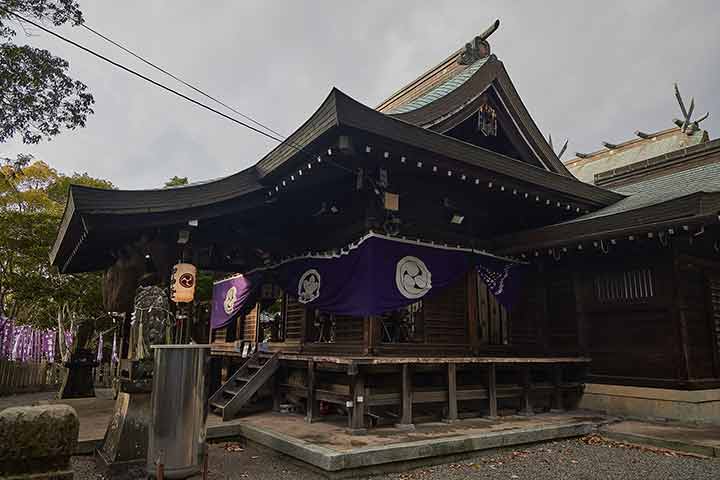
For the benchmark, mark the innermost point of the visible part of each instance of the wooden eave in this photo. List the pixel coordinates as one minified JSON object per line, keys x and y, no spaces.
{"x":115,"y":210}
{"x":697,"y":208}
{"x":445,"y":113}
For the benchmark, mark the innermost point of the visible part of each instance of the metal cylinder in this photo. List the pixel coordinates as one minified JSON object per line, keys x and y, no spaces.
{"x":179,"y":410}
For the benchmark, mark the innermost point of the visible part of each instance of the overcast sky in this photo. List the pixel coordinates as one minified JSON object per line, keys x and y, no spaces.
{"x":590,"y":71}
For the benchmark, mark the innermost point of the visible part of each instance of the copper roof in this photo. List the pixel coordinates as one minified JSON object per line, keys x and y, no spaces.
{"x":586,"y":166}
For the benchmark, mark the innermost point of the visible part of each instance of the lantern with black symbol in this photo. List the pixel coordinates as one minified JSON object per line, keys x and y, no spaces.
{"x":182,"y":283}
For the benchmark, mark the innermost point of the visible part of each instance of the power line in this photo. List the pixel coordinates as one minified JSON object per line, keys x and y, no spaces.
{"x":140,"y":75}
{"x":175,"y":77}
{"x":175,"y":92}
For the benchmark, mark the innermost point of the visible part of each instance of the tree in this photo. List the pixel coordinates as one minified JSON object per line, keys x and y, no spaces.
{"x":37,"y":97}
{"x":32,"y":199}
{"x":176,"y":181}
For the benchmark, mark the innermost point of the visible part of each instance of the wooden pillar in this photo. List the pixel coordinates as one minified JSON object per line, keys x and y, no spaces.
{"x":311,"y":411}
{"x":472,"y":312}
{"x":525,"y":380}
{"x":406,"y":401}
{"x":371,"y":334}
{"x":557,"y":395}
{"x":452,"y":415}
{"x":276,"y":392}
{"x":492,"y":391}
{"x":357,"y":389}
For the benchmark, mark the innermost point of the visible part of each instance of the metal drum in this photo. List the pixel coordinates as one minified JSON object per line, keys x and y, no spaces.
{"x":179,"y":410}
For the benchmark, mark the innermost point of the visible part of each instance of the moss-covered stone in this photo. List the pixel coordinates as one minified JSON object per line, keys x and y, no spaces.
{"x":37,"y":440}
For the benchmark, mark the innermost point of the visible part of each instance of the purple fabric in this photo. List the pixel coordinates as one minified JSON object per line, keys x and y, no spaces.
{"x":230,"y":297}
{"x":114,"y":356}
{"x":22,"y":343}
{"x":375,"y":276}
{"x":382,"y":275}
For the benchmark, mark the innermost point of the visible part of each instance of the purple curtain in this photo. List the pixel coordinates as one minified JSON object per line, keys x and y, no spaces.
{"x":376,"y":275}
{"x":231,"y":297}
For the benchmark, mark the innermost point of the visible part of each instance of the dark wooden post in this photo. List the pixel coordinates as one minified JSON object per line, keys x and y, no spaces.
{"x":276,"y":392}
{"x":525,"y":380}
{"x":406,"y":401}
{"x":472,"y":312}
{"x":371,"y":334}
{"x":557,"y":395}
{"x":452,"y":415}
{"x":357,"y":388}
{"x":311,"y":411}
{"x":492,"y":391}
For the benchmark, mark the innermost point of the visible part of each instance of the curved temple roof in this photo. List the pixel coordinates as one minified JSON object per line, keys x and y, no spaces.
{"x":418,"y":116}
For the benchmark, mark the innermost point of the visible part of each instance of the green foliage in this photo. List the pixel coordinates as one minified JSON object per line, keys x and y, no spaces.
{"x":37,"y":97}
{"x":58,"y":190}
{"x":176,"y":181}
{"x":32,"y":199}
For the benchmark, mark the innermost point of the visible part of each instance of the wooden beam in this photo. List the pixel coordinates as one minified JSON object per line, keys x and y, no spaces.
{"x":407,"y":398}
{"x":492,"y":391}
{"x":311,"y":411}
{"x":452,"y":415}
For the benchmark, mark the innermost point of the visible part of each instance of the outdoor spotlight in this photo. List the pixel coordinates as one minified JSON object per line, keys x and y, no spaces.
{"x":193,"y":223}
{"x":457,"y":219}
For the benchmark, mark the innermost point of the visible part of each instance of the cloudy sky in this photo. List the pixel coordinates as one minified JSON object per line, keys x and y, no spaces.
{"x":587,"y":70}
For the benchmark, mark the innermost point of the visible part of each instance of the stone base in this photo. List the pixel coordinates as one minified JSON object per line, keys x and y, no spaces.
{"x":689,"y":406}
{"x":422,"y":449}
{"x":37,"y":442}
{"x":126,"y":438}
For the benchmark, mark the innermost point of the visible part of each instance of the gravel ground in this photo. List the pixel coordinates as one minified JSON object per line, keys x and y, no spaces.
{"x":580,"y":459}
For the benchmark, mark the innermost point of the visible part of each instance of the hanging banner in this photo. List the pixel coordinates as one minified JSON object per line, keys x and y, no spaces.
{"x":381,"y":274}
{"x":230,"y":297}
{"x":375,"y":275}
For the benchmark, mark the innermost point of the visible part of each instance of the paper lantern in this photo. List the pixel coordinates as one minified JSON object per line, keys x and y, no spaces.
{"x":182,"y":283}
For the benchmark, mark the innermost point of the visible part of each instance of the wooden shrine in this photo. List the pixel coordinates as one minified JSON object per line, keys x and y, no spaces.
{"x":453,"y":159}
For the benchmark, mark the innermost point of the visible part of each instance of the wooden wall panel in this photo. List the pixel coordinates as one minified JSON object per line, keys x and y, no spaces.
{"x":714,"y":304}
{"x":562,"y":314}
{"x":445,"y":315}
{"x":527,"y":316}
{"x":348,"y":329}
{"x":294,"y":319}
{"x":638,"y":343}
{"x":248,"y":326}
{"x":696,"y":317}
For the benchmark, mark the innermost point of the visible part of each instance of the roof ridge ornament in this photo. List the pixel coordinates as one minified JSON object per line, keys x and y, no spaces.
{"x":479,"y":47}
{"x":687,"y":125}
{"x":562,"y":149}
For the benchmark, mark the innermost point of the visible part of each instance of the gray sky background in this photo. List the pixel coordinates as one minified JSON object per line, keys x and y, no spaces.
{"x":589,"y":71}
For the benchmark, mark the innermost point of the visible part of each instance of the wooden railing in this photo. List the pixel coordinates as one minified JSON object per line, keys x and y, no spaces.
{"x":25,"y":377}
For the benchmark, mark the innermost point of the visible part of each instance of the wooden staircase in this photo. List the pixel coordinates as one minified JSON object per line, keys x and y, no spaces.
{"x":240,"y":388}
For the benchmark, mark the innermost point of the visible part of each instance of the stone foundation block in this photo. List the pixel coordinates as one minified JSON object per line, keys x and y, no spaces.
{"x":37,"y":442}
